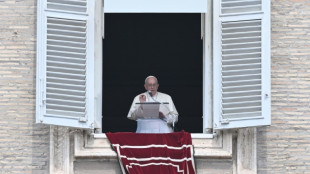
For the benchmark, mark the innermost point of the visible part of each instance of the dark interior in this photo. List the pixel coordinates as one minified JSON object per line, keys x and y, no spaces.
{"x":167,"y":46}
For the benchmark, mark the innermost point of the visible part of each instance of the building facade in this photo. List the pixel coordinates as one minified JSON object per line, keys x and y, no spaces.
{"x":283,"y":147}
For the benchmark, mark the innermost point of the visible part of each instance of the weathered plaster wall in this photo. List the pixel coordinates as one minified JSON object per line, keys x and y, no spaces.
{"x":24,"y":146}
{"x":284,"y":147}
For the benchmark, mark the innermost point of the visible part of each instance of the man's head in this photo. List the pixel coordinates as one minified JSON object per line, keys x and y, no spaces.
{"x":151,"y":84}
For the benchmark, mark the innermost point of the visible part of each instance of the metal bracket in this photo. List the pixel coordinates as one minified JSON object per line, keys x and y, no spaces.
{"x":216,"y":133}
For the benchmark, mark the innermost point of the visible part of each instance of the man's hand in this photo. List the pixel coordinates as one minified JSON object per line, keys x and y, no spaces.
{"x":142,"y":98}
{"x":161,"y":115}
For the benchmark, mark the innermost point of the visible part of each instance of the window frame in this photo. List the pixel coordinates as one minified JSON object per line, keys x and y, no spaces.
{"x":206,"y":36}
{"x":155,"y":6}
{"x":207,"y":99}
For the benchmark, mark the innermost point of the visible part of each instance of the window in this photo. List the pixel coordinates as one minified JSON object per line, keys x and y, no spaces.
{"x":68,"y":93}
{"x":167,"y":45}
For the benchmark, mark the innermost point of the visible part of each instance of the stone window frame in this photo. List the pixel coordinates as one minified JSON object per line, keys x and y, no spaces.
{"x":68,"y":144}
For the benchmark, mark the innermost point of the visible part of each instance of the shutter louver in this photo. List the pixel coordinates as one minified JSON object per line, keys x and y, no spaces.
{"x":66,"y":67}
{"x":65,"y":59}
{"x":73,"y":6}
{"x":241,"y":63}
{"x":240,"y":6}
{"x":241,"y":69}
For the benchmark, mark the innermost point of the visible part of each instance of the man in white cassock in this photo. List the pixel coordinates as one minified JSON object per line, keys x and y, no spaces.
{"x":158,"y":125}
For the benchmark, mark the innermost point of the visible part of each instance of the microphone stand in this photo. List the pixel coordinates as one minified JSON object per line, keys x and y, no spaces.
{"x":151,"y":95}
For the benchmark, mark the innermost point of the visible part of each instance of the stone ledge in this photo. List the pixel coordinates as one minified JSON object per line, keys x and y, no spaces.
{"x":205,"y":145}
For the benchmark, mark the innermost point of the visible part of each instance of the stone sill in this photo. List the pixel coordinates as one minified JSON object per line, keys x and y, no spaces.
{"x":205,"y":145}
{"x":193,"y":135}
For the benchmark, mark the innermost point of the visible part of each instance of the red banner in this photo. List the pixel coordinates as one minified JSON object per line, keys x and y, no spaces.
{"x":142,"y":153}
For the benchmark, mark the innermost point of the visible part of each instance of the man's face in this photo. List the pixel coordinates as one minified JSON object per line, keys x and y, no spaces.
{"x":151,"y":85}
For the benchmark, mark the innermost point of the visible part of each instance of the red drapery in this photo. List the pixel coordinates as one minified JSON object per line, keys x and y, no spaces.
{"x":142,"y":153}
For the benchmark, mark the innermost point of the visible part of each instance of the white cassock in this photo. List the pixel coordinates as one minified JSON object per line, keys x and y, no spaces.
{"x":153,"y":125}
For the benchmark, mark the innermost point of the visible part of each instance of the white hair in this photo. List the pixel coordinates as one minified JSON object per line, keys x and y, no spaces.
{"x":150,"y":77}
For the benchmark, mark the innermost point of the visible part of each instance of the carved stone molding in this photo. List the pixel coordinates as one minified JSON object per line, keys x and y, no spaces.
{"x":246,"y":151}
{"x":220,"y":146}
{"x":60,"y":150}
{"x":66,"y":145}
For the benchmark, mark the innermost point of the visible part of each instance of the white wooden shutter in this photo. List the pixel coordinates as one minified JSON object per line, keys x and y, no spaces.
{"x":241,"y":49}
{"x":65,"y":63}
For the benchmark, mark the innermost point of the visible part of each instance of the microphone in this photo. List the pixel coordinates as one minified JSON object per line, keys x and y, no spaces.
{"x":150,"y":93}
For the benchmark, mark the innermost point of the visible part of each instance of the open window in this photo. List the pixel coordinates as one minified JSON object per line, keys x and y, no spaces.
{"x":167,"y":45}
{"x":236,"y":76}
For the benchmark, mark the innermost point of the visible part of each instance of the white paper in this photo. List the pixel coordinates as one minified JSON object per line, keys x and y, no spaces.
{"x":150,"y":110}
{"x":164,"y":108}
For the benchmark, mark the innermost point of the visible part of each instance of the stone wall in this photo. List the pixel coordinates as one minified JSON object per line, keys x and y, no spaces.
{"x":284,"y":147}
{"x":24,"y":145}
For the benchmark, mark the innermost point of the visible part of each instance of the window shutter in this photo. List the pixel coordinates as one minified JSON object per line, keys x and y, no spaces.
{"x":241,"y":49}
{"x":65,"y":63}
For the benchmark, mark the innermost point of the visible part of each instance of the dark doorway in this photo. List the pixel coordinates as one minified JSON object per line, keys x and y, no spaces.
{"x":167,"y":46}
